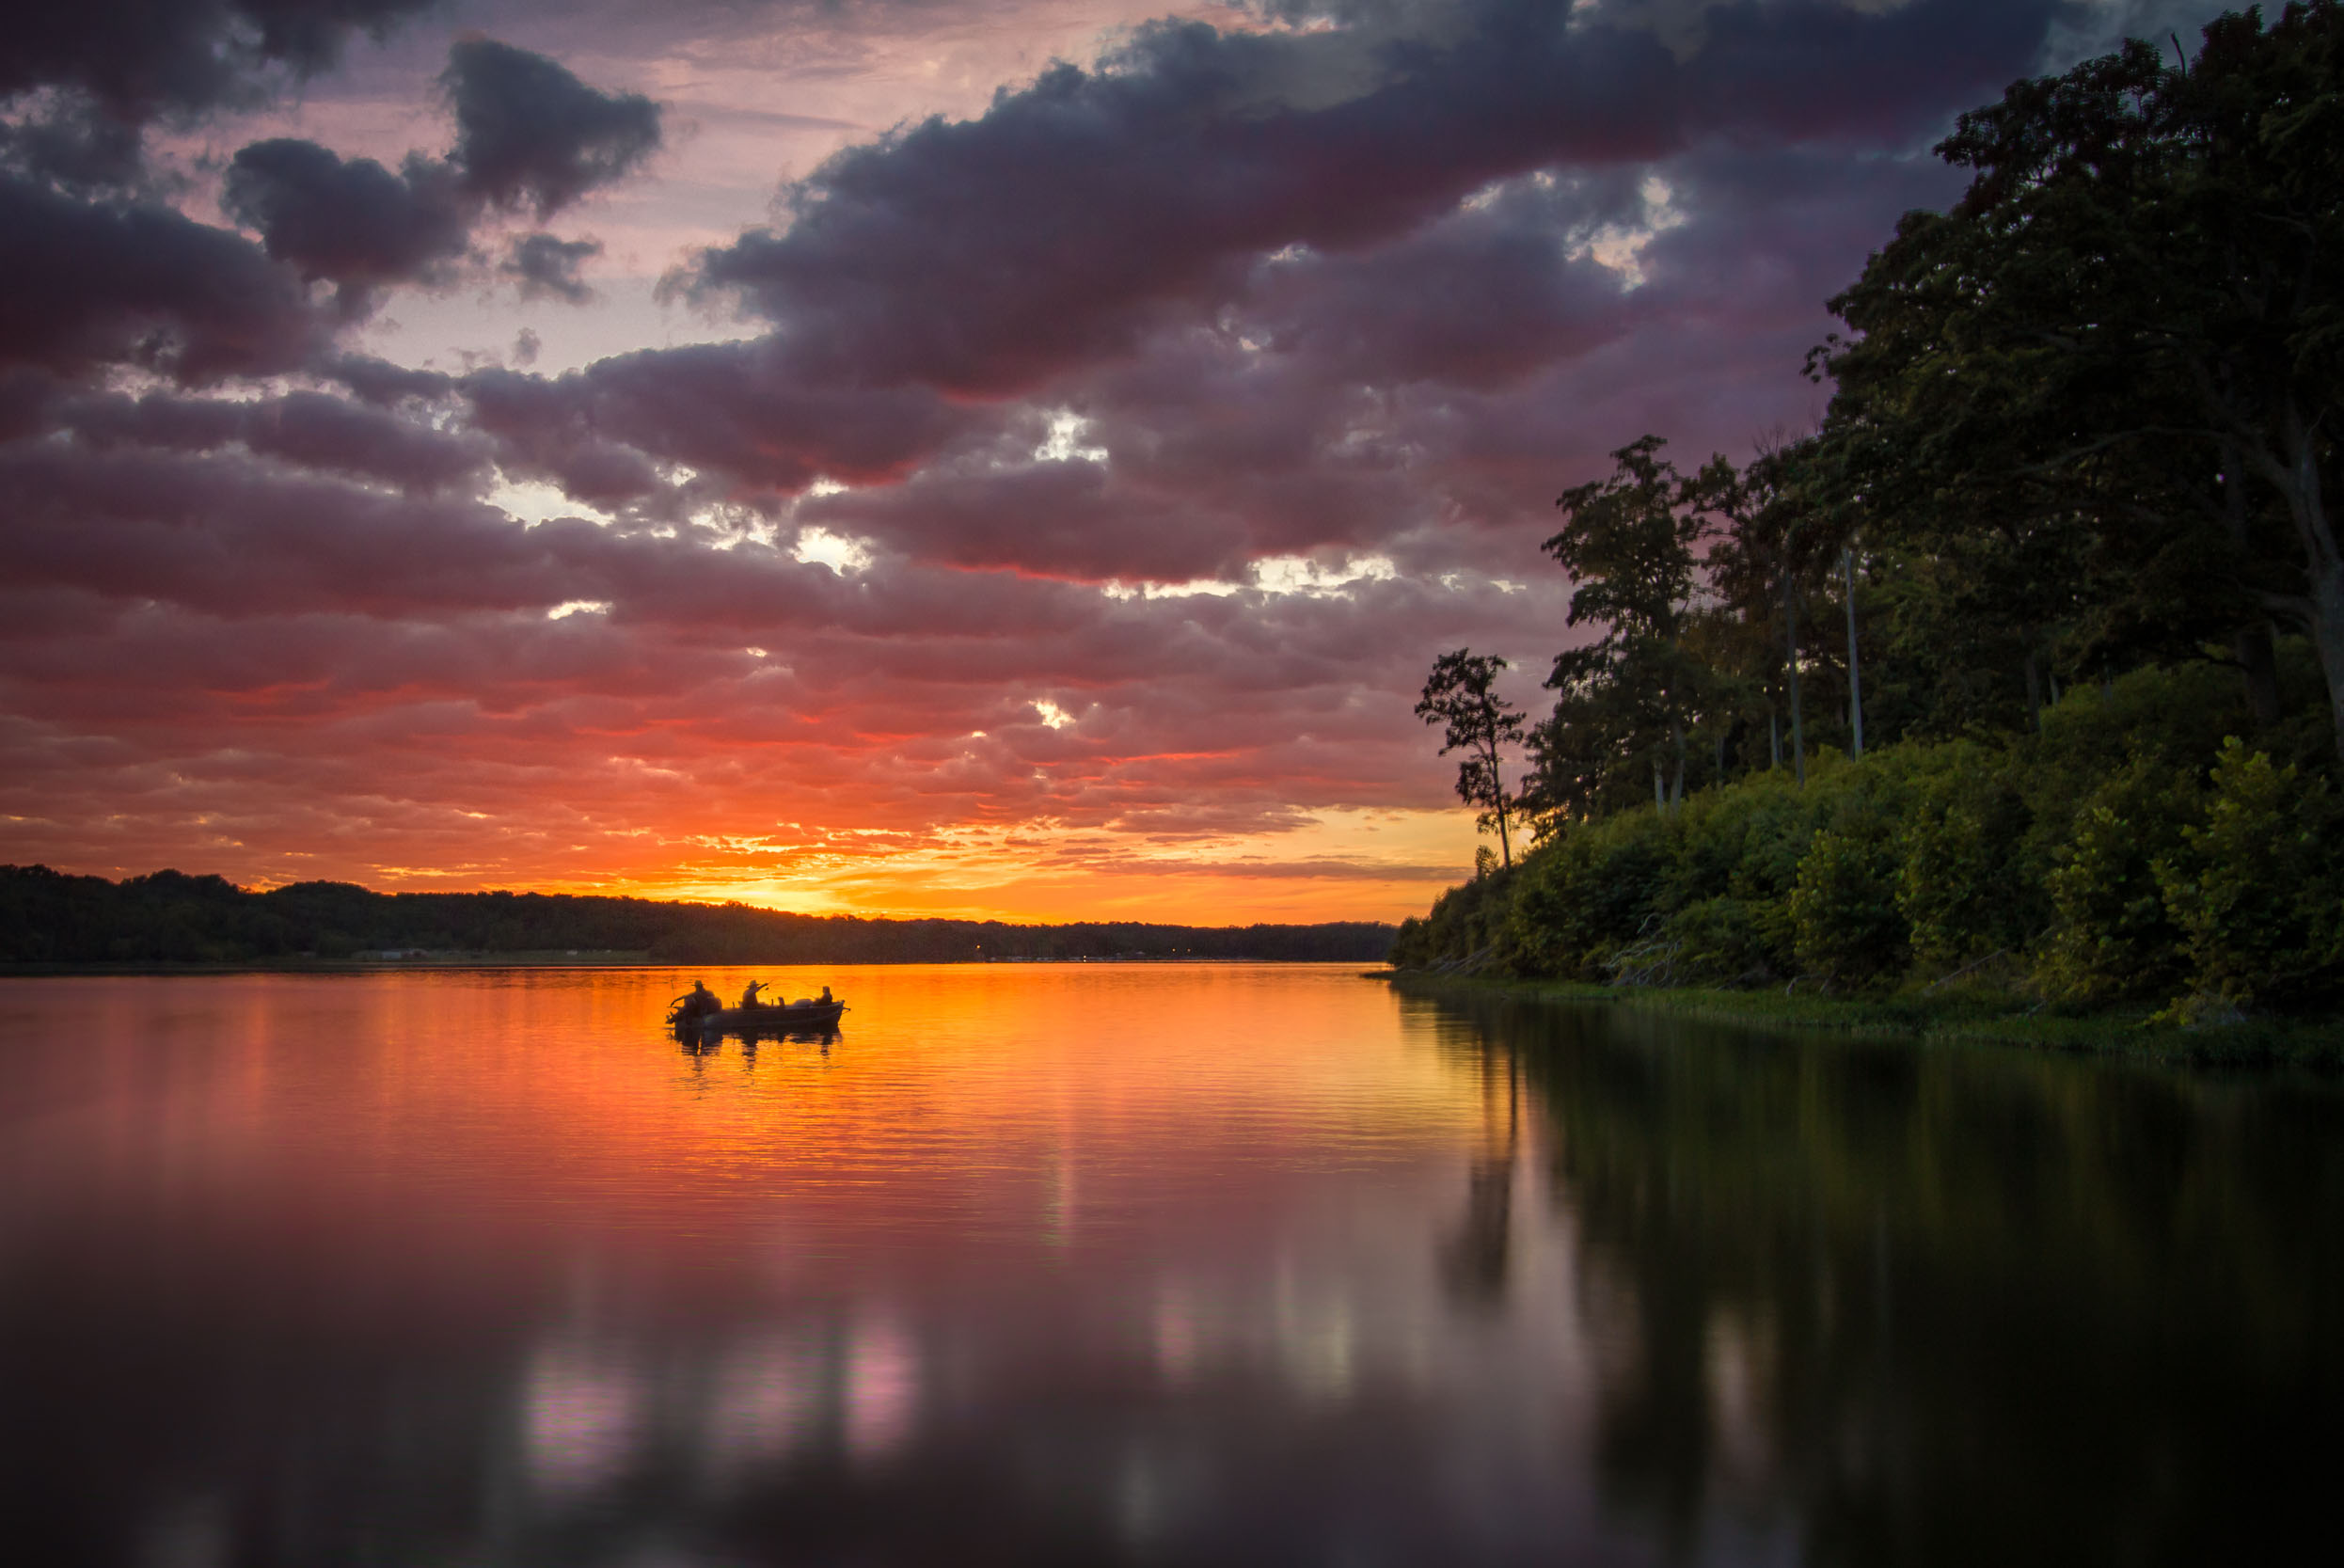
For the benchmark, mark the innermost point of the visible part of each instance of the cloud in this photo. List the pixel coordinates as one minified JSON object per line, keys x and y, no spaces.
{"x":982,"y":256}
{"x":132,"y":281}
{"x":68,"y":141}
{"x":1442,"y":196}
{"x":528,"y":132}
{"x":531,"y":135}
{"x":546,"y":267}
{"x":140,"y":61}
{"x":352,"y":222}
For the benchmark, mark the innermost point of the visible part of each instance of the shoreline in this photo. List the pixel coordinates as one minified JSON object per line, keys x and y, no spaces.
{"x":1959,"y":1018}
{"x":614,"y":959}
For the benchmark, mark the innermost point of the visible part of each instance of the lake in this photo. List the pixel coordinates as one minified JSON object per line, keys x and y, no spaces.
{"x":1157,"y":1264}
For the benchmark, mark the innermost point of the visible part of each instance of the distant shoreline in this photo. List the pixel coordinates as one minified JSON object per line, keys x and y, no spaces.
{"x":52,"y":920}
{"x":1969,"y":1019}
{"x":441,"y":963}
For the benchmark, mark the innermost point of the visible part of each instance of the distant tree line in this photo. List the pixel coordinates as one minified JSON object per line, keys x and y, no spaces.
{"x":47,"y":917}
{"x":2052,"y":606}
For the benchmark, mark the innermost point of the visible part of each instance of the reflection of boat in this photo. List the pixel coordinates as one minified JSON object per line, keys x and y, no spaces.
{"x":778,"y":1018}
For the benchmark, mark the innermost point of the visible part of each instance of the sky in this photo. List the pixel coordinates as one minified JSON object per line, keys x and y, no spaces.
{"x":898,"y":457}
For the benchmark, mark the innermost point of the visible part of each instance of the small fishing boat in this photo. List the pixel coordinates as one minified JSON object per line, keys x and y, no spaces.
{"x":772,"y":1017}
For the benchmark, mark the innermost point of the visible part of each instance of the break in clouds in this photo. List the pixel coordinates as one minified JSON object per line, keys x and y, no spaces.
{"x":1064,"y":482}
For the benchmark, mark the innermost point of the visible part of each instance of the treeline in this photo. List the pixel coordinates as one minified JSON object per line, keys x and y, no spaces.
{"x":47,"y":917}
{"x":2029,"y":661}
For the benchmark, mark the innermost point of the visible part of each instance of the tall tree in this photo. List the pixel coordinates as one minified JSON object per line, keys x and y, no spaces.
{"x":2130,"y":331}
{"x":1627,"y":699}
{"x":1461,"y":694}
{"x":1778,"y":531}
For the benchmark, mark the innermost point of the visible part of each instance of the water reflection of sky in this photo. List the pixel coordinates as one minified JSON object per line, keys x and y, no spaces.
{"x":1180,"y":1263}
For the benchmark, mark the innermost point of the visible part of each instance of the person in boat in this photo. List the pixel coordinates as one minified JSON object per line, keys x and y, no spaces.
{"x":697,"y":1001}
{"x":749,"y":998}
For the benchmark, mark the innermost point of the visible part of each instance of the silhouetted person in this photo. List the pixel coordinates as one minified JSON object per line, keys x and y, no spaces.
{"x":748,"y":997}
{"x":697,"y":1003}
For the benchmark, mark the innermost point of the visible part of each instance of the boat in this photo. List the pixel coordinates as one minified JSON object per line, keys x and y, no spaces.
{"x":773,"y":1018}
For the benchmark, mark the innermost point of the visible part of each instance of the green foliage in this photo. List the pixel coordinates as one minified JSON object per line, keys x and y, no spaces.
{"x":1843,"y":910}
{"x":2119,"y":858}
{"x":1733,"y":940}
{"x":1967,"y":884}
{"x":2112,"y":938}
{"x":2259,"y":895}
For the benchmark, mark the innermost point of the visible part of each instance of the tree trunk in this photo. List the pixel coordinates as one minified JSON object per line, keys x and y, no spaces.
{"x":2327,"y":635}
{"x":1774,"y":739}
{"x":1676,"y":786}
{"x":1660,"y":790}
{"x":2258,"y":663}
{"x":1790,"y":621}
{"x":2035,"y":693}
{"x":1855,"y":675}
{"x":2293,"y":469}
{"x":1497,"y":787}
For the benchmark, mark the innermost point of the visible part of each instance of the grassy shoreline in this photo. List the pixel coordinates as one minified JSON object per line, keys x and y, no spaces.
{"x":1976,"y":1017}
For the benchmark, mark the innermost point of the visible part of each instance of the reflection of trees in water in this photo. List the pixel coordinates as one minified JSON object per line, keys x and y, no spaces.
{"x":1477,"y":1257}
{"x":1944,"y":1306}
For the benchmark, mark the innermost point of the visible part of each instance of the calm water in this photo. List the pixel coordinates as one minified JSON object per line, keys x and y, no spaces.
{"x":1165,"y":1264}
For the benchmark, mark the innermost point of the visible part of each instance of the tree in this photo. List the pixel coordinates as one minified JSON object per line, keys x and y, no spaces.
{"x":1629,"y":698}
{"x":1777,"y":536}
{"x":2131,"y":328}
{"x":1461,"y":694}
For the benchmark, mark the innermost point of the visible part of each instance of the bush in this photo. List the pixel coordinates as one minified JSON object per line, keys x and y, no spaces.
{"x":1847,"y":926}
{"x":2111,"y":938}
{"x":1732,"y":941}
{"x":2097,"y":853}
{"x":1967,"y":884}
{"x":2258,"y":898}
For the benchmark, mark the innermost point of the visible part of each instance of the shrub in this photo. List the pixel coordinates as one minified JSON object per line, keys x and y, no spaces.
{"x":2111,"y":937}
{"x":2259,"y":900}
{"x":1735,"y":940}
{"x":1847,"y":928}
{"x":1967,"y":883}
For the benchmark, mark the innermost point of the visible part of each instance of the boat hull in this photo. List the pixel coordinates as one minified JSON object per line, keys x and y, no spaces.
{"x":781,"y":1019}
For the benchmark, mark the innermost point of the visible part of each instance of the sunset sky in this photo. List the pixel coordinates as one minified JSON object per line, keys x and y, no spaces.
{"x":903,"y":456}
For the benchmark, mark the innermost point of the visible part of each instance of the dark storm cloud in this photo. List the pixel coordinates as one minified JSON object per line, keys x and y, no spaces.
{"x":1299,"y":189}
{"x":75,"y":144}
{"x":139,"y":58}
{"x":90,"y":282}
{"x":531,"y":135}
{"x":1480,"y":299}
{"x":733,"y":409}
{"x":306,"y":429}
{"x":982,"y":256}
{"x":528,"y":134}
{"x":352,"y":222}
{"x":546,"y":267}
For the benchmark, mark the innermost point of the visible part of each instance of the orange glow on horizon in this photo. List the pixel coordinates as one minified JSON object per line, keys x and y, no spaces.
{"x":1336,"y":865}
